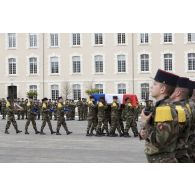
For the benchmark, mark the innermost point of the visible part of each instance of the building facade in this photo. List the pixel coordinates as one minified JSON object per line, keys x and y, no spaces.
{"x":55,"y":64}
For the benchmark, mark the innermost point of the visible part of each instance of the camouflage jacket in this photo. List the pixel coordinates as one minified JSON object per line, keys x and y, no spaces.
{"x":92,"y":110}
{"x":128,"y":111}
{"x":45,"y":110}
{"x":162,"y":129}
{"x":115,"y":109}
{"x":10,"y":108}
{"x":102,"y":109}
{"x":60,"y":110}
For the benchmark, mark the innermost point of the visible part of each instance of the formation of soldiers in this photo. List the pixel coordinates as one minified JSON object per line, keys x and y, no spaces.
{"x":70,"y":105}
{"x":169,"y":128}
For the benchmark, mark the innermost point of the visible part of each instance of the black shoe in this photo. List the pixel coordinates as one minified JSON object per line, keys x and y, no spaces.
{"x":42,"y":133}
{"x":87,"y":134}
{"x":127,"y":135}
{"x":69,"y":132}
{"x":58,"y":133}
{"x":53,"y":132}
{"x":135,"y":135}
{"x":26,"y":132}
{"x":18,"y":131}
{"x":37,"y":132}
{"x":121,"y":134}
{"x":6,"y":132}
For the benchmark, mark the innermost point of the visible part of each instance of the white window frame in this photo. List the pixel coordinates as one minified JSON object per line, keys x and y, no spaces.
{"x":93,"y":64}
{"x":141,"y":90}
{"x":80,"y":88}
{"x":117,"y":37}
{"x":49,"y":64}
{"x":139,"y":62}
{"x":121,"y":83}
{"x":103,"y":40}
{"x":7,"y":41}
{"x":167,"y":43}
{"x":55,"y":90}
{"x":37,"y":40}
{"x":54,"y":46}
{"x":99,"y":87}
{"x":121,"y":65}
{"x":72,"y":39}
{"x":192,"y":36}
{"x":34,"y":66}
{"x":76,"y":65}
{"x":12,"y":68}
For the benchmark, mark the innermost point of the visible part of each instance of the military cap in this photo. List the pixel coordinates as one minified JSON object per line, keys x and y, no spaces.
{"x":90,"y":96}
{"x":191,"y":84}
{"x":183,"y":82}
{"x":115,"y":97}
{"x":8,"y":98}
{"x":127,"y":98}
{"x":166,"y":78}
{"x":44,"y":99}
{"x":59,"y":97}
{"x":30,"y":97}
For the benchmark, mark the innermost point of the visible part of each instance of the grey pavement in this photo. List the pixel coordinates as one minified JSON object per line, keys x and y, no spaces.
{"x":74,"y":148}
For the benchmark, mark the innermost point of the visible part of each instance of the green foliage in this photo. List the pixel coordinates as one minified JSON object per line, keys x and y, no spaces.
{"x":92,"y":91}
{"x":33,"y":94}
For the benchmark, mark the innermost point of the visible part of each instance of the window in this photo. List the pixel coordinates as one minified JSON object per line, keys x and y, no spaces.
{"x":54,"y":92}
{"x":54,"y":40}
{"x":167,"y":37}
{"x":98,"y":39}
{"x":144,"y":62}
{"x":33,"y":88}
{"x":76,"y":91}
{"x":54,"y":65}
{"x":33,"y":65}
{"x":11,"y":40}
{"x":12,"y":65}
{"x":144,"y":38}
{"x":76,"y":40}
{"x":168,"y":62}
{"x":121,"y":39}
{"x":191,"y":61}
{"x":32,"y":40}
{"x":100,"y":87}
{"x":121,"y":61}
{"x":98,"y":64}
{"x":191,"y":37}
{"x":144,"y":91}
{"x":121,"y":88}
{"x":76,"y":64}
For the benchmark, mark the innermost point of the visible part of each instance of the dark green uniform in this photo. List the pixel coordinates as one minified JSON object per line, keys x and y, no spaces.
{"x":3,"y":108}
{"x":79,"y":105}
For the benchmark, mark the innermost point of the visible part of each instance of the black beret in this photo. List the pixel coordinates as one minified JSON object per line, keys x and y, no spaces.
{"x":191,"y":84}
{"x":90,"y":96}
{"x":30,"y":97}
{"x":59,"y":97}
{"x":8,"y":98}
{"x":44,"y":99}
{"x":183,"y":82}
{"x":166,"y":78}
{"x":115,"y":97}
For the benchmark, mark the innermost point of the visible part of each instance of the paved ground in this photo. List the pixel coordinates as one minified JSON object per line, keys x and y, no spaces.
{"x":72,"y":148}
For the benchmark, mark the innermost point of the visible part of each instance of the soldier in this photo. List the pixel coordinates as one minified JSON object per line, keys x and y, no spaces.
{"x":60,"y":117}
{"x":46,"y":118}
{"x":18,"y":112}
{"x":102,"y":106}
{"x":115,"y":118}
{"x":68,"y":108}
{"x":107,"y":120}
{"x":3,"y":108}
{"x":92,"y":116}
{"x":55,"y":110}
{"x":73,"y":106}
{"x":178,"y":99}
{"x":32,"y":111}
{"x":10,"y":116}
{"x":130,"y":118}
{"x":26,"y":110}
{"x":79,"y":105}
{"x":50,"y":107}
{"x":85,"y":109}
{"x":160,"y":128}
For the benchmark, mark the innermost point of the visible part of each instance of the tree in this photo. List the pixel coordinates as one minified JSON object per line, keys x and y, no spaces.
{"x":33,"y":94}
{"x":92,"y":91}
{"x":66,"y":90}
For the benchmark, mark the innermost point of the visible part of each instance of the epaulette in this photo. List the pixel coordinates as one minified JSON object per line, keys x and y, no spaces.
{"x":7,"y":104}
{"x":181,"y":114}
{"x":129,"y":104}
{"x":59,"y":105}
{"x":163,"y":113}
{"x":44,"y":105}
{"x":100,"y":104}
{"x":114,"y":104}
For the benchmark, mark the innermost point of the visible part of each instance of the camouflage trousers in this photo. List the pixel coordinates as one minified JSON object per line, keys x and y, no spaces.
{"x":191,"y":147}
{"x":31,"y":118}
{"x":61,"y":122}
{"x":182,"y":156}
{"x":46,"y":120}
{"x":3,"y":113}
{"x":162,"y":158}
{"x":91,"y":124}
{"x":115,"y":124}
{"x":80,"y":114}
{"x":102,"y":123}
{"x":131,"y":123}
{"x":11,"y":119}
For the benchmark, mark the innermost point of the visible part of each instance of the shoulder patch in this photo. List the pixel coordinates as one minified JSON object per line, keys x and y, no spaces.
{"x":181,"y":114}
{"x":28,"y":104}
{"x":100,"y":104}
{"x":114,"y":104}
{"x":59,"y":105}
{"x":7,"y":104}
{"x":163,"y":113}
{"x":44,"y":105}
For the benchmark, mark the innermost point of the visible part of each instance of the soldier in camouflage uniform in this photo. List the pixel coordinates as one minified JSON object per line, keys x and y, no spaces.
{"x":46,"y":118}
{"x":55,"y":110}
{"x":178,"y":99}
{"x":32,"y":111}
{"x":79,"y":105}
{"x":85,"y":109}
{"x":68,"y":107}
{"x":50,"y":107}
{"x":191,"y":139}
{"x":60,"y":117}
{"x":92,"y":116}
{"x":18,"y":112}
{"x":73,"y":106}
{"x":22,"y":104}
{"x":10,"y":116}
{"x":3,"y":108}
{"x":102,"y":106}
{"x":130,"y":118}
{"x":26,"y":110}
{"x":160,"y":128}
{"x":115,"y":118}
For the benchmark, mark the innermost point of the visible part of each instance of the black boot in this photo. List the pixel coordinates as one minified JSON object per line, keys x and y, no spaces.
{"x":53,"y":132}
{"x":58,"y":133}
{"x":6,"y":131}
{"x":87,"y":134}
{"x":68,"y":132}
{"x":18,"y":131}
{"x":26,"y":132}
{"x":42,"y":133}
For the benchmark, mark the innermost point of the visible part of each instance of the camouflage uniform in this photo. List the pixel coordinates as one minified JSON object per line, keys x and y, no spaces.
{"x":22,"y":104}
{"x":107,"y":120}
{"x":130,"y":119}
{"x":10,"y":117}
{"x":72,"y":107}
{"x":85,"y":109}
{"x":79,"y":104}
{"x":50,"y":107}
{"x":91,"y":118}
{"x":162,"y":131}
{"x":55,"y":110}
{"x":115,"y":119}
{"x":46,"y":119}
{"x":18,"y":111}
{"x":61,"y":119}
{"x":102,"y":106}
{"x":31,"y":107}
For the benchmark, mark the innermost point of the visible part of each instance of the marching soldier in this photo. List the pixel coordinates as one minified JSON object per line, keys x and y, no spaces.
{"x":18,"y":112}
{"x":160,"y":128}
{"x":130,"y":118}
{"x":115,"y":118}
{"x":92,"y":116}
{"x":79,"y":105}
{"x":32,"y":111}
{"x":85,"y":109}
{"x":46,"y":118}
{"x":55,"y":110}
{"x":22,"y":104}
{"x":60,"y":117}
{"x":10,"y":116}
{"x":26,"y":110}
{"x":50,"y":107}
